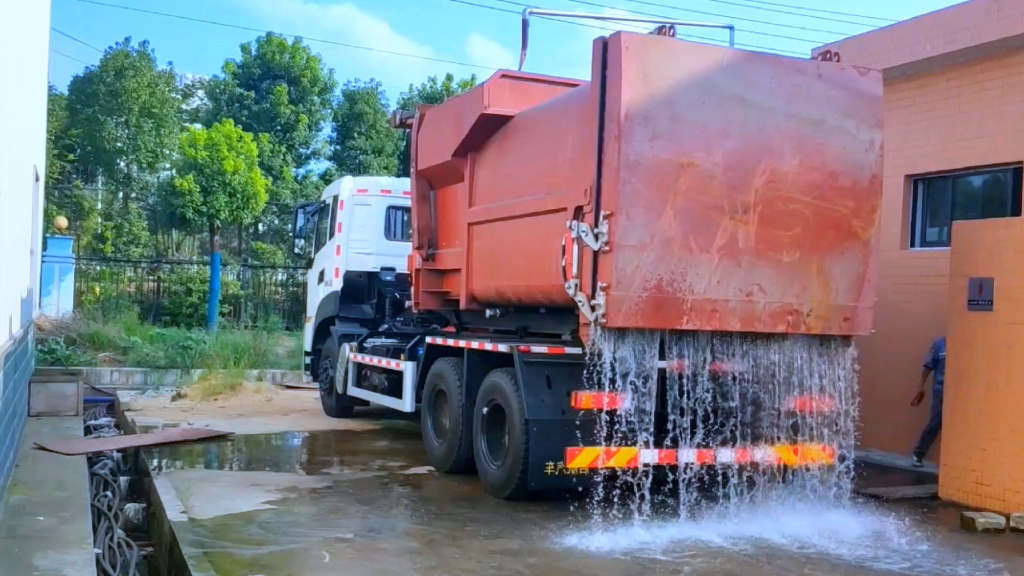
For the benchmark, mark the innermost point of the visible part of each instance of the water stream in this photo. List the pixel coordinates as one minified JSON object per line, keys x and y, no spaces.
{"x":741,"y":390}
{"x":723,"y":390}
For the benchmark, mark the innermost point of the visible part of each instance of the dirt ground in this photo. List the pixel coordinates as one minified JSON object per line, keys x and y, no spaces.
{"x":252,"y":408}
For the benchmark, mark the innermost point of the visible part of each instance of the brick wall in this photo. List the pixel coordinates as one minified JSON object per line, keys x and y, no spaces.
{"x":16,"y":365}
{"x":957,"y":116}
{"x":963,"y":30}
{"x":983,"y":455}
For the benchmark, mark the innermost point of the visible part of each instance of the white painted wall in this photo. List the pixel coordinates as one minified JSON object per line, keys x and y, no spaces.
{"x":24,"y":59}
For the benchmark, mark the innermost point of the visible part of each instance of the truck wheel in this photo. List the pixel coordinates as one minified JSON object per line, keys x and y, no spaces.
{"x":500,"y":436}
{"x":445,"y":418}
{"x":333,"y":365}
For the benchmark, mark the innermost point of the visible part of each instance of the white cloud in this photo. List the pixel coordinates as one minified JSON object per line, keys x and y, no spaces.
{"x":484,"y":51}
{"x":345,"y":23}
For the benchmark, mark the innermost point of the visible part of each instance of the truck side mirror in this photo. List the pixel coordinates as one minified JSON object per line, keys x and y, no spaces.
{"x":300,"y":228}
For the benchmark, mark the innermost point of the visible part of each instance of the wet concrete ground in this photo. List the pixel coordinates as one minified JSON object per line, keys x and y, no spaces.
{"x":365,"y":502}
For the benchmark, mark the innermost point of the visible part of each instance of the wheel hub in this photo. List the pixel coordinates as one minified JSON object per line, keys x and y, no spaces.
{"x":341,"y":374}
{"x":439,"y":415}
{"x":494,"y":429}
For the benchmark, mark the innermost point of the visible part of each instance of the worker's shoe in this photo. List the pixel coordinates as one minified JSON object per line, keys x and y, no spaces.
{"x":918,"y":462}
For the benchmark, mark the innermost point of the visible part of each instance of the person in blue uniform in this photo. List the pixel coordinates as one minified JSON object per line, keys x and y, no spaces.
{"x":934,"y":365}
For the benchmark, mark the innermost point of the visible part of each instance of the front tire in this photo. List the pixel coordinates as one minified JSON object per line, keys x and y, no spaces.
{"x":500,"y":436}
{"x":445,"y":419}
{"x":333,"y":365}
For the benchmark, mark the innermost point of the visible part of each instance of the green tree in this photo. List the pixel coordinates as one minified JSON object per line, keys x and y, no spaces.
{"x":65,"y":193}
{"x":218,"y":183}
{"x":433,"y":91}
{"x":278,"y":88}
{"x":362,"y":140}
{"x":125,"y":113}
{"x":282,"y":93}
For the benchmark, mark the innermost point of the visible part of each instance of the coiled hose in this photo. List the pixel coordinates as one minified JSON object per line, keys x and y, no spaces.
{"x":116,"y":553}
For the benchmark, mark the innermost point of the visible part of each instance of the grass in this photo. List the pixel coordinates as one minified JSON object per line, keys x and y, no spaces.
{"x":129,"y":342}
{"x":213,"y":385}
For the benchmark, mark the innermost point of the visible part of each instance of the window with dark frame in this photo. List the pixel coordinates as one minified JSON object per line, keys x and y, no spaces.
{"x":398,"y":224}
{"x":322,"y":223}
{"x":940,"y":200}
{"x":334,"y":217}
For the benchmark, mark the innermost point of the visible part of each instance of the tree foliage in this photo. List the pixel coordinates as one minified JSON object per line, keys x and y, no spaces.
{"x":65,"y":194}
{"x":125,"y":115}
{"x":362,"y":139}
{"x":282,"y":93}
{"x":142,"y":162}
{"x":218,"y":181}
{"x":278,"y":88}
{"x":125,"y":112}
{"x":433,"y":91}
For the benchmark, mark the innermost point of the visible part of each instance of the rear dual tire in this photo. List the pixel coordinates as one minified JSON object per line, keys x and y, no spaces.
{"x":445,"y":419}
{"x":489,"y":435}
{"x":500,"y":436}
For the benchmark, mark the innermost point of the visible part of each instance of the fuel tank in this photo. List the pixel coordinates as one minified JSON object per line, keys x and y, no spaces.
{"x":685,"y":186}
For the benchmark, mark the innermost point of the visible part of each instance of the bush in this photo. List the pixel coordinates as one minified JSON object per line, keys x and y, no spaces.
{"x":185,"y":293}
{"x":129,"y":342}
{"x":55,"y":352}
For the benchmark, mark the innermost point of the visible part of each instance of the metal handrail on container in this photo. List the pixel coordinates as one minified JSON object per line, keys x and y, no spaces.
{"x":616,"y":18}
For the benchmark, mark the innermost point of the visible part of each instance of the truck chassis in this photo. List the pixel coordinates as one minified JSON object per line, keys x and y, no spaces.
{"x":517,"y":410}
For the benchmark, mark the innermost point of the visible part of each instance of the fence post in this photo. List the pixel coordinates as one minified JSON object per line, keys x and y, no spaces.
{"x":57,"y":277}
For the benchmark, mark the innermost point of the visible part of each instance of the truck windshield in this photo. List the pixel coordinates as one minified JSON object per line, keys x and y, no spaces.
{"x":398,"y":224}
{"x":323,"y":224}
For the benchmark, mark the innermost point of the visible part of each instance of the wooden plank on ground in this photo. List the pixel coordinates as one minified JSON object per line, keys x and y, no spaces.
{"x":161,"y":437}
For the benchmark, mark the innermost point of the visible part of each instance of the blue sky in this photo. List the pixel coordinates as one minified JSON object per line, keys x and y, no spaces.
{"x":471,"y":38}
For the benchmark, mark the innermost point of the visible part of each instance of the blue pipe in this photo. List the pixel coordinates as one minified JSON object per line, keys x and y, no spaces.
{"x":98,"y":399}
{"x":213,"y":302}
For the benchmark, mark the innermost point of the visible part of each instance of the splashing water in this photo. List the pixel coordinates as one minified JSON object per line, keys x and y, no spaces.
{"x":730,"y":390}
{"x":770,"y":537}
{"x":722,"y":390}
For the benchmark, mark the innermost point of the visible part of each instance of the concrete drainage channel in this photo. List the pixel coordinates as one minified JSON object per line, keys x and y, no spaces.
{"x":165,"y":520}
{"x":132,"y":530}
{"x":120,"y":530}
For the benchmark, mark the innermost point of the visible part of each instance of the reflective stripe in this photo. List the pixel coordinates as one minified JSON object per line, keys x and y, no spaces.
{"x":472,"y":344}
{"x":491,"y":347}
{"x":630,"y":457}
{"x":377,"y":361}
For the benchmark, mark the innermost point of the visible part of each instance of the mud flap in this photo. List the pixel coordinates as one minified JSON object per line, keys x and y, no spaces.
{"x":548,"y":441}
{"x":547,"y":382}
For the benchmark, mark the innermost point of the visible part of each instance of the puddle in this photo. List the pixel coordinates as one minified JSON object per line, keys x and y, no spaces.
{"x":859,"y":535}
{"x":344,"y":502}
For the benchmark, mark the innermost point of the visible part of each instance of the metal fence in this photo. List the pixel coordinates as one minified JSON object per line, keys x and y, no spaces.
{"x":173,"y":292}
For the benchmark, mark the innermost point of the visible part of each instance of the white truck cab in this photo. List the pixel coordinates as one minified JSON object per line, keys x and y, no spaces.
{"x":357,"y":239}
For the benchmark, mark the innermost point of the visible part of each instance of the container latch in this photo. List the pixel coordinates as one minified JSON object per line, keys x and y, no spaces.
{"x":595,"y":238}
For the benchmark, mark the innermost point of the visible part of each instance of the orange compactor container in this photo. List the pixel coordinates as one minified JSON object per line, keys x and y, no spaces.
{"x":685,"y":187}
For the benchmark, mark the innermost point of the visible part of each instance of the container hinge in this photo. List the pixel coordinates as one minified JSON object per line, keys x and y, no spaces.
{"x":596,"y":239}
{"x":593,"y":310}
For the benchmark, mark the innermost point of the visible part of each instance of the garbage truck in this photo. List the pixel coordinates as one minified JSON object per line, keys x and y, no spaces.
{"x":685,"y":188}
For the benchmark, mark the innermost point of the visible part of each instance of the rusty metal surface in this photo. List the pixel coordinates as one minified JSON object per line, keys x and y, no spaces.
{"x":504,"y":162}
{"x":97,"y":445}
{"x":745,"y":190}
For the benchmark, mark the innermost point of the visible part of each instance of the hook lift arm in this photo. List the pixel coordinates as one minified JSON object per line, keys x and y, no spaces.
{"x":666,"y":28}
